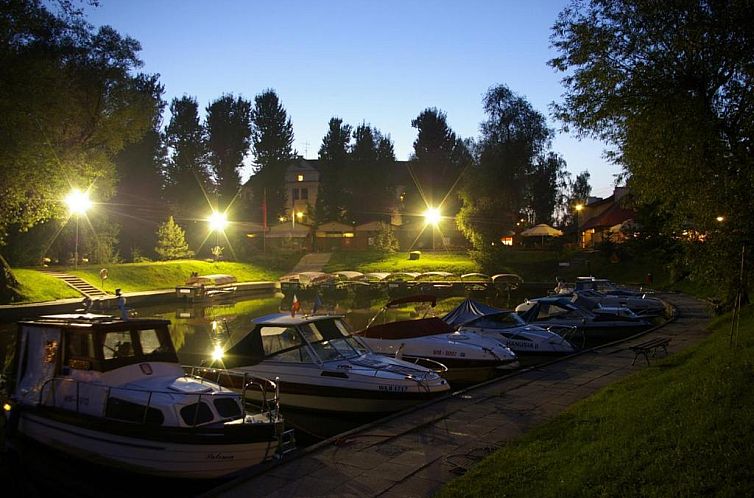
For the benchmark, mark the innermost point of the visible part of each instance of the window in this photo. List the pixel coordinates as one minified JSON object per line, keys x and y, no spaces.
{"x":227,"y":407}
{"x":150,"y":341}
{"x":196,"y":413}
{"x":118,"y":345}
{"x":304,"y":193}
{"x":295,"y":193}
{"x":276,"y":339}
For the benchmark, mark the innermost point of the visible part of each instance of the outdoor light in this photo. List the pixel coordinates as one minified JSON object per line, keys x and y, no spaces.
{"x":78,"y":202}
{"x":578,"y":208}
{"x":720,"y":218}
{"x":300,"y":215}
{"x":217,"y":353}
{"x":218,"y":221}
{"x":432,"y":216}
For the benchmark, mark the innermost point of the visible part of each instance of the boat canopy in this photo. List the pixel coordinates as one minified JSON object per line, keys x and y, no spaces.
{"x":467,"y":311}
{"x":215,"y":279}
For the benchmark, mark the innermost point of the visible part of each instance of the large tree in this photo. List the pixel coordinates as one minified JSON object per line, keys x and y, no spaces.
{"x":333,"y":162}
{"x":187,"y":178}
{"x":272,"y":139}
{"x":138,"y":205}
{"x":545,"y":187}
{"x":495,"y":192}
{"x":436,"y":165}
{"x":70,"y":98}
{"x":669,"y":85}
{"x":228,"y":126}
{"x":367,"y":185}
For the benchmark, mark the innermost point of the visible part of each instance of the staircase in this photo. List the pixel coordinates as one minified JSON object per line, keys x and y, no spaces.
{"x":77,"y":283}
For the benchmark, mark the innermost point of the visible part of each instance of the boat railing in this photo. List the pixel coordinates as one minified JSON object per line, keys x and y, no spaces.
{"x":244,"y":382}
{"x":89,"y":398}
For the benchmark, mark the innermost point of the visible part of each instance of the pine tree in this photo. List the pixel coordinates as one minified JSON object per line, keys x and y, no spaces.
{"x":171,"y":241}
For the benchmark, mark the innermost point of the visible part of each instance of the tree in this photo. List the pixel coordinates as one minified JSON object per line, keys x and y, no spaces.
{"x":228,"y":126}
{"x":385,"y":240}
{"x":545,"y":183}
{"x":186,"y":175}
{"x":668,"y":85}
{"x":272,"y":139}
{"x":171,"y":241}
{"x":333,"y":160}
{"x":70,"y":98}
{"x":495,"y":192}
{"x":435,"y":166}
{"x":138,"y":205}
{"x":367,"y":186}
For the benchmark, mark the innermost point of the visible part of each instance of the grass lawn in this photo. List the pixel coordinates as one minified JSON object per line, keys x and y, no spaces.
{"x":135,"y":277}
{"x":682,"y":427}
{"x":37,"y":287}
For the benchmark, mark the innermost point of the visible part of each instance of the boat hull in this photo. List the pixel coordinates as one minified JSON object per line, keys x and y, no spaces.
{"x":162,"y":452}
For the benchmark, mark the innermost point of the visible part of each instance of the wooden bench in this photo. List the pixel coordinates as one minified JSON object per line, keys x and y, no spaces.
{"x":650,"y":347}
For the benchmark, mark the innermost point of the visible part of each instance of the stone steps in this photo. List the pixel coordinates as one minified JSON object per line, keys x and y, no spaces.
{"x":76,"y":283}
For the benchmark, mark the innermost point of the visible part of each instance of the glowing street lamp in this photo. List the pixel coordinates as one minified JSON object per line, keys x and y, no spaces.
{"x":578,"y":208}
{"x":432,"y":217}
{"x":720,"y":219}
{"x":78,"y":203}
{"x":217,"y":222}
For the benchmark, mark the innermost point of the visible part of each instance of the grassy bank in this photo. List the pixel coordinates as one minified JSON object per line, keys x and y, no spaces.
{"x":682,"y":427}
{"x":135,"y":277}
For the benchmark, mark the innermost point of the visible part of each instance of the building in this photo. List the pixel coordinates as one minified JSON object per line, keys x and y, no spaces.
{"x":602,"y":219}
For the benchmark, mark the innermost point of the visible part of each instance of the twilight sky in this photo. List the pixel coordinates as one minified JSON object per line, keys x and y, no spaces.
{"x":380,"y":62}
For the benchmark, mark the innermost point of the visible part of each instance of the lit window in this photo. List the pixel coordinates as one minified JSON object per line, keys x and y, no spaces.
{"x":300,"y":178}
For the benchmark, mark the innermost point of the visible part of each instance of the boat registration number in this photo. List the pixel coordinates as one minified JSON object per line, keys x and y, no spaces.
{"x":391,"y":388}
{"x":442,"y":352}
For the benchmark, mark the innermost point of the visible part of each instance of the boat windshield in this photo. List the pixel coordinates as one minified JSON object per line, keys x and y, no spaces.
{"x":331,"y":340}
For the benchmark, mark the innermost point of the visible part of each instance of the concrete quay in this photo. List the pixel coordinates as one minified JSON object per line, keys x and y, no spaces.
{"x":414,"y":453}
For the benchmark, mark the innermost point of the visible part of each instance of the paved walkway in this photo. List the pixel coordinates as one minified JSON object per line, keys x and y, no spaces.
{"x":414,"y":454}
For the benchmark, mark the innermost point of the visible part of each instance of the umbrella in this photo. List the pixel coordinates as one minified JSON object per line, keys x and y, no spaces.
{"x":542,"y":230}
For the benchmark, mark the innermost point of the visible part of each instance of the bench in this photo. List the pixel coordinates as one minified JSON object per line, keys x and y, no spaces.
{"x":650,"y":347}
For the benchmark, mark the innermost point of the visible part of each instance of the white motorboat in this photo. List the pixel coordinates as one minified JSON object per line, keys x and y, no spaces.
{"x":468,"y":356}
{"x":643,"y":306}
{"x":507,"y":327}
{"x":112,"y":392}
{"x":321,"y":367}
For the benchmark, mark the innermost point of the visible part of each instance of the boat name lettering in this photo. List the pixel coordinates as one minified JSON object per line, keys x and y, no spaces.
{"x":525,"y":345}
{"x":392,"y":388}
{"x":440,"y":352}
{"x":219,"y":456}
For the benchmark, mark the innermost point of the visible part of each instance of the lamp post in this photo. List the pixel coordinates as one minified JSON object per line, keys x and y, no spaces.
{"x":432,"y":217}
{"x":78,"y":202}
{"x":578,"y":207}
{"x":217,"y":222}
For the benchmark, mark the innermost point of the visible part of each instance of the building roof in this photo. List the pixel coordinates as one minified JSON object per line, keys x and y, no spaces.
{"x":614,"y":215}
{"x":334,"y":226}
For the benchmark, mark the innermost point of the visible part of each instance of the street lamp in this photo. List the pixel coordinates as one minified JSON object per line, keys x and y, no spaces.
{"x":78,"y":202}
{"x":217,"y":222}
{"x":578,"y":207}
{"x":432,"y":217}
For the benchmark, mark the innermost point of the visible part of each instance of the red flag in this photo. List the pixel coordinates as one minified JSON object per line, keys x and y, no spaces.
{"x":295,"y":305}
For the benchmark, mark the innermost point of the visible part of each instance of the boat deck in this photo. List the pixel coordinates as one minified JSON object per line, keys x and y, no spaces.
{"x":415,"y":453}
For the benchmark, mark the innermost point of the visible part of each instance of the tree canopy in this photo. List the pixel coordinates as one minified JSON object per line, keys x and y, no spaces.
{"x":669,"y":84}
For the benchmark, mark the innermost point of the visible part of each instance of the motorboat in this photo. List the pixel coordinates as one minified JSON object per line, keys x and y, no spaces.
{"x":322,"y":367}
{"x":207,"y":286}
{"x":468,"y":356}
{"x":602,"y":285}
{"x":112,"y":392}
{"x":507,"y":327}
{"x":644,"y":306}
{"x":597,"y":324}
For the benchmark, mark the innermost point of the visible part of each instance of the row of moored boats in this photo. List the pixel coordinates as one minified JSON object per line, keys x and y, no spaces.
{"x":114,"y":391}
